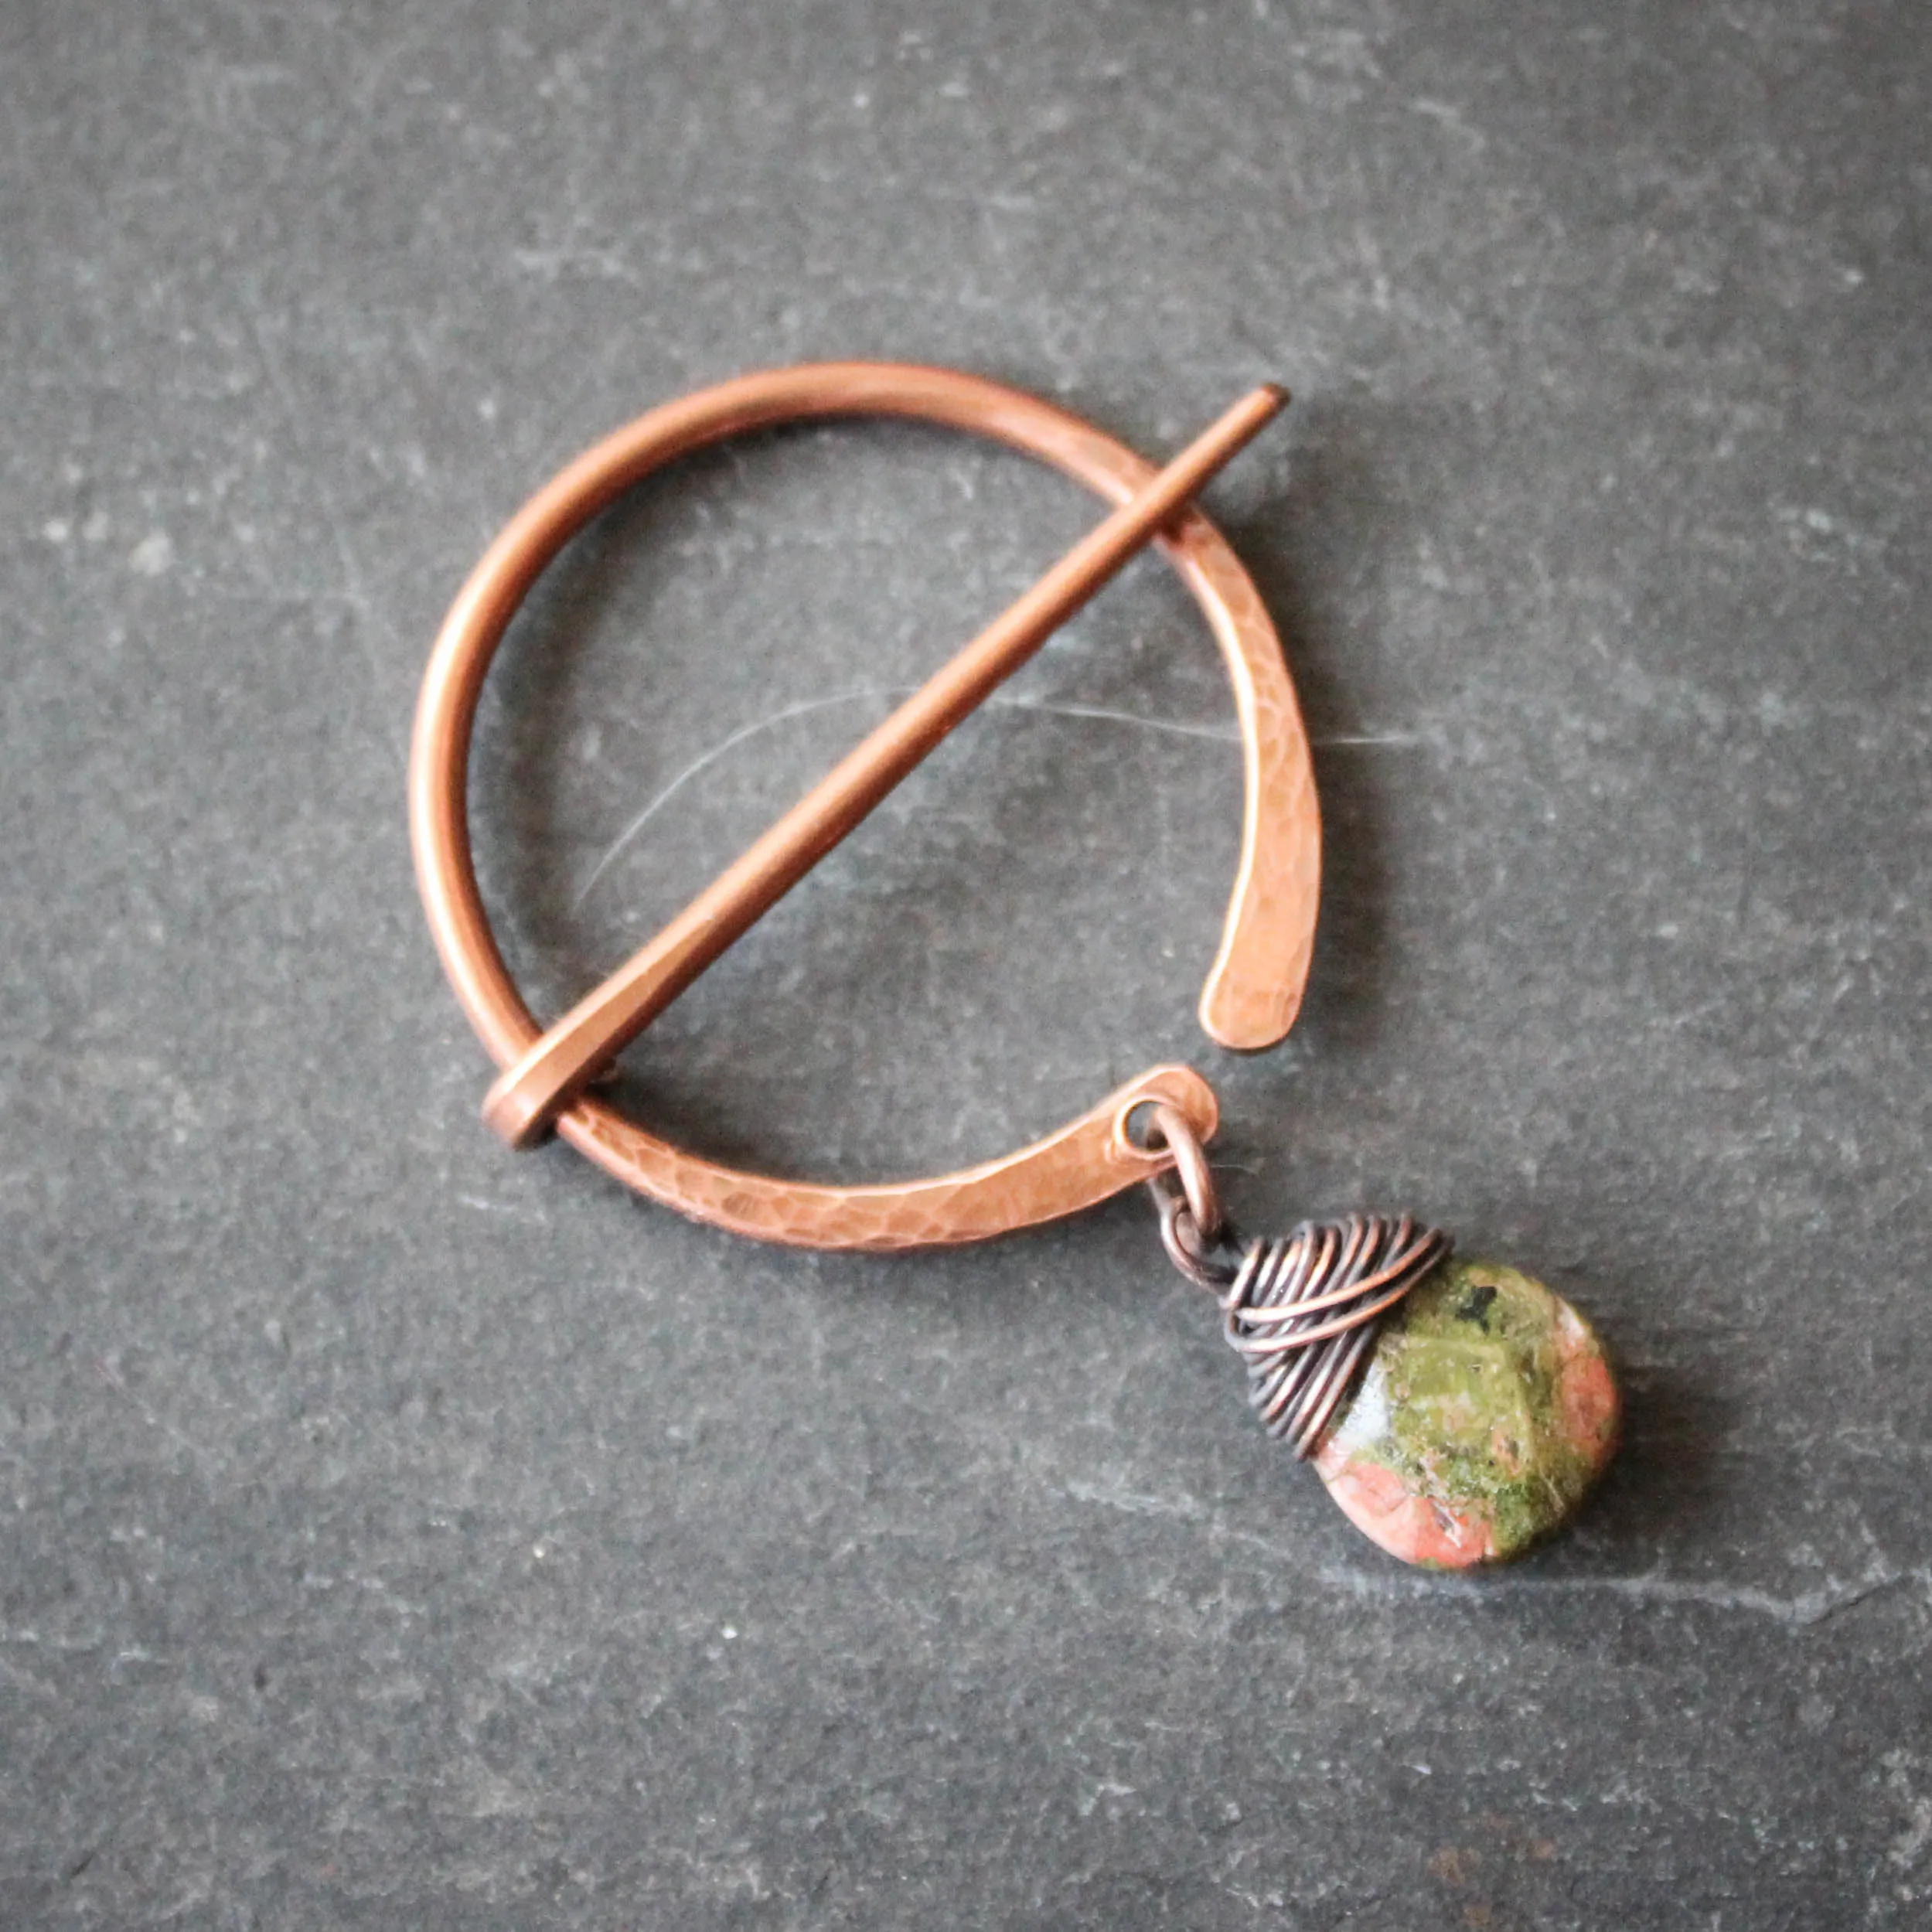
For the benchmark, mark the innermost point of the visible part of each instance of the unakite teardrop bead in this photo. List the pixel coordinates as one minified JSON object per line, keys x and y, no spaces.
{"x":1485,"y":1411}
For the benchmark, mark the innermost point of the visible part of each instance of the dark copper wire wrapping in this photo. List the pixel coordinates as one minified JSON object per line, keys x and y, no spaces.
{"x":1303,"y":1312}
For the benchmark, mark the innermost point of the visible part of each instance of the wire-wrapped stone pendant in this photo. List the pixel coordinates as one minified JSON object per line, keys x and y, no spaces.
{"x":1457,"y":1411}
{"x":1462,"y":1417}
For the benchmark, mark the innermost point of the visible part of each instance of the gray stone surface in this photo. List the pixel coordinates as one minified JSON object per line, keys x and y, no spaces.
{"x":396,"y":1532}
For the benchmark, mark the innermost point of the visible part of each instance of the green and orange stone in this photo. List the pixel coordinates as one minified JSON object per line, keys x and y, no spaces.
{"x":1484,"y":1413}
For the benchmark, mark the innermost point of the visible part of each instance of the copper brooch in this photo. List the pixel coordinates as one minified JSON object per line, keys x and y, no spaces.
{"x":1456,"y":1410}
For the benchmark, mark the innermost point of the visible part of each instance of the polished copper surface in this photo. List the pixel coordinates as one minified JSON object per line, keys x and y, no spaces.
{"x":1254,"y":988}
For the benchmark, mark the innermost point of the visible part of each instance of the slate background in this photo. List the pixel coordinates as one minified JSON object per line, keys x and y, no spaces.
{"x":396,"y":1532}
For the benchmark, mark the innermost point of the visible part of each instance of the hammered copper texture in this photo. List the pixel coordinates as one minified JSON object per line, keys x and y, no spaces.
{"x":1253,"y":992}
{"x":1081,"y":1165}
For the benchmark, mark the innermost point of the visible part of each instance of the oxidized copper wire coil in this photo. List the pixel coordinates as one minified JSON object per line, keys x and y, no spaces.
{"x":1302,"y":1312}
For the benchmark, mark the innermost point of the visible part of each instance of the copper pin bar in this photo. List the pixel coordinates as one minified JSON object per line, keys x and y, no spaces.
{"x":585,"y":1041}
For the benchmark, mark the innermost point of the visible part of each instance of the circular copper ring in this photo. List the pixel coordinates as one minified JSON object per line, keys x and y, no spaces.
{"x":1173,"y":1130}
{"x":1252,"y":993}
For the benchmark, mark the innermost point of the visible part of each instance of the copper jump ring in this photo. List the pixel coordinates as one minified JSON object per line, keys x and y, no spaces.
{"x":1192,"y":1179}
